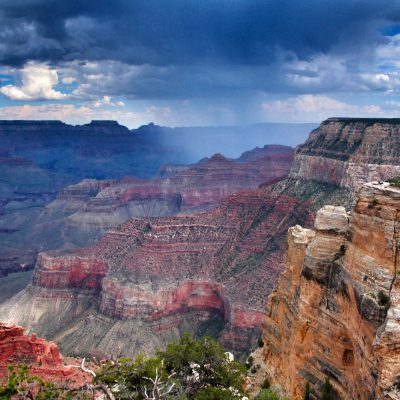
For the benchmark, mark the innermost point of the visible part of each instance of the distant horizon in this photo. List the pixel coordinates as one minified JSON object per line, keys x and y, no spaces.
{"x":151,"y":123}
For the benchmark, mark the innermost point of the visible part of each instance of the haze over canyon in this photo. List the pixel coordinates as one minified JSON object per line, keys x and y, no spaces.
{"x":199,"y":200}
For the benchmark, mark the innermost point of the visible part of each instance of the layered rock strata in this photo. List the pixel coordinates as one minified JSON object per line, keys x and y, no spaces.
{"x":155,"y":267}
{"x":42,"y":358}
{"x":147,"y":281}
{"x":349,"y":152}
{"x":335,"y":312}
{"x":40,"y":158}
{"x":83,"y":212}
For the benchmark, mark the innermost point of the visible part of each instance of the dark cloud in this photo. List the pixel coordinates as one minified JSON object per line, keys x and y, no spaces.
{"x":177,"y":32}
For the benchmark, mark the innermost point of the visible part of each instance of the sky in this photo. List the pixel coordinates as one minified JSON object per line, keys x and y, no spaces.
{"x":199,"y":62}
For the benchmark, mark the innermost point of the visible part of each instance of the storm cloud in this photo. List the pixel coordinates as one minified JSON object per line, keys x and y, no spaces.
{"x":160,"y":32}
{"x":171,"y":50}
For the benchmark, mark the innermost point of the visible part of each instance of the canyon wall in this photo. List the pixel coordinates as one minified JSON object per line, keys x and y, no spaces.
{"x":149,"y":280}
{"x":210,"y":272}
{"x":335,"y":312}
{"x":83,"y":212}
{"x":40,"y":158}
{"x":45,"y":204}
{"x":350,"y":151}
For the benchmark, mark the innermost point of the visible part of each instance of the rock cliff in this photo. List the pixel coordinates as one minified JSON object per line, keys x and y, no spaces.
{"x":40,"y":158}
{"x":83,"y":212}
{"x":335,"y":312}
{"x":44,"y":162}
{"x":43,"y":358}
{"x":149,"y":280}
{"x":350,"y":151}
{"x":208,"y":273}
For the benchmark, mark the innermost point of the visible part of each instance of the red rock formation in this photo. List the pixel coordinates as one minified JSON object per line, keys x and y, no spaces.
{"x":335,"y":313}
{"x":163,"y":276}
{"x":92,"y":206}
{"x":69,"y":272}
{"x":43,"y":358}
{"x":234,"y":250}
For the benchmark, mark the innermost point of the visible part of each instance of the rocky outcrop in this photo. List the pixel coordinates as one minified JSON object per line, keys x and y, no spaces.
{"x":350,"y":151}
{"x":161,"y":272}
{"x":155,"y":278}
{"x":335,"y":312}
{"x":43,"y":358}
{"x":83,"y":212}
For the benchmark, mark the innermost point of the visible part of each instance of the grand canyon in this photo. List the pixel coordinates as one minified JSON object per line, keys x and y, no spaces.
{"x":199,"y":200}
{"x":209,"y":272}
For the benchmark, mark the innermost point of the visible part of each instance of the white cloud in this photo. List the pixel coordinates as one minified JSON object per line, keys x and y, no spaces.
{"x":315,"y":108}
{"x":107,"y":101}
{"x":320,"y":72}
{"x":73,"y":114}
{"x":388,"y":54}
{"x":37,"y":83}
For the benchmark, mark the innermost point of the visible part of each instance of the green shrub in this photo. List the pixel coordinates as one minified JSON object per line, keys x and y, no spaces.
{"x":212,"y":393}
{"x":20,"y":384}
{"x":394,"y":181}
{"x":187,"y":369}
{"x":268,"y":394}
{"x":189,"y":365}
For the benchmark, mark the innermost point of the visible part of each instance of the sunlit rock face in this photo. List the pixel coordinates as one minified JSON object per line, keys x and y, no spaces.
{"x":350,"y":151}
{"x":41,"y":357}
{"x":149,"y":280}
{"x":335,"y":312}
{"x":210,"y":272}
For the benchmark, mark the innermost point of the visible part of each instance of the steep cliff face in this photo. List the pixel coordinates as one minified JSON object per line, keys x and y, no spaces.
{"x":335,"y":311}
{"x":83,"y":212}
{"x":210,"y":272}
{"x":149,"y":280}
{"x":350,"y":151}
{"x":43,"y":358}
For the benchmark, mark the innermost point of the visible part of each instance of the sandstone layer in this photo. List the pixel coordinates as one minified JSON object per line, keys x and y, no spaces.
{"x":148,"y":280}
{"x":42,"y":358}
{"x":207,"y":273}
{"x":83,"y":212}
{"x":45,"y":204}
{"x":40,"y":158}
{"x":350,"y":152}
{"x":335,"y":312}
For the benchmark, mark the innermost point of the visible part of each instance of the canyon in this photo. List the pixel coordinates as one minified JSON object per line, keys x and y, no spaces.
{"x":83,"y":212}
{"x":335,"y":312}
{"x":150,"y":279}
{"x":40,"y":160}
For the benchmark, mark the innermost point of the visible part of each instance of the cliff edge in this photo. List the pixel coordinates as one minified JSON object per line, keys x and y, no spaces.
{"x":336,"y":311}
